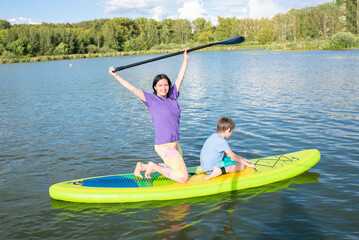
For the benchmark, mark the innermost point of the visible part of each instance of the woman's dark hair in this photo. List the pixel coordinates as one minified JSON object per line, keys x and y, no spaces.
{"x":159,"y":77}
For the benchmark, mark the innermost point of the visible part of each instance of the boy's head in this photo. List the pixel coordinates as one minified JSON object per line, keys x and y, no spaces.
{"x":224,"y":124}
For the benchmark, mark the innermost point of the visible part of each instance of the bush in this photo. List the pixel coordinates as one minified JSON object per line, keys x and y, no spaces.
{"x":61,"y":49}
{"x":2,"y":48}
{"x":357,"y":42}
{"x":92,"y":49}
{"x":8,"y":55}
{"x":106,"y":49}
{"x":169,"y":46}
{"x":341,"y":40}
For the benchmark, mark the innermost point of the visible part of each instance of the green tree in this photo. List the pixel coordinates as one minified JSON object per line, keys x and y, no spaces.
{"x":2,"y":36}
{"x":47,"y":40}
{"x":2,"y":49}
{"x":68,"y":37}
{"x":34,"y":42}
{"x":4,"y":24}
{"x":199,"y":25}
{"x":205,"y":37}
{"x":166,"y":31}
{"x":10,"y":36}
{"x":202,"y":30}
{"x":84,"y":39}
{"x":18,"y":47}
{"x":61,"y":49}
{"x":248,"y":28}
{"x":110,"y":36}
{"x":227,"y":28}
{"x":182,"y":30}
{"x":152,"y":33}
{"x":140,"y":24}
{"x":117,"y":31}
{"x":352,"y":16}
{"x":309,"y":22}
{"x":266,"y":35}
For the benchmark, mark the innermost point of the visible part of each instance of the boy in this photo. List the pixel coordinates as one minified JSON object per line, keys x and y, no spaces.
{"x":212,"y":158}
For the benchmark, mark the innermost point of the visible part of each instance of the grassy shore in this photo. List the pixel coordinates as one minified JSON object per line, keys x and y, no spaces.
{"x":336,"y":42}
{"x":110,"y":54}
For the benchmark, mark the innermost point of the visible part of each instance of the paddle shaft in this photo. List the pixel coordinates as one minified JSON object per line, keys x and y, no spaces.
{"x":237,"y":40}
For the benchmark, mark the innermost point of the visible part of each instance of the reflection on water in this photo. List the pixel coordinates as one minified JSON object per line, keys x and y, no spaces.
{"x":287,"y":227}
{"x":122,"y":208}
{"x":169,"y":218}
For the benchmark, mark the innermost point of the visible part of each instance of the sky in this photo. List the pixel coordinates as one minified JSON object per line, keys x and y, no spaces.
{"x":74,"y":11}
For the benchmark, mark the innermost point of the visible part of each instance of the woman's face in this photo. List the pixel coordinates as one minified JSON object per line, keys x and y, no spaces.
{"x":162,"y":88}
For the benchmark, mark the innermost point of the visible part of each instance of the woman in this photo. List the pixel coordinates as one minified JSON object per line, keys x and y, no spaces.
{"x":165,"y":113}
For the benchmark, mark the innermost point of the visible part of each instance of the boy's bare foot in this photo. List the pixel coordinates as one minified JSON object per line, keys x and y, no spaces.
{"x":150,"y":169}
{"x":216,"y":172}
{"x":140,"y":167}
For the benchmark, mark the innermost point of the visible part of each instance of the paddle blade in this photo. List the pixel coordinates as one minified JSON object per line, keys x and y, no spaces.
{"x":235,"y":40}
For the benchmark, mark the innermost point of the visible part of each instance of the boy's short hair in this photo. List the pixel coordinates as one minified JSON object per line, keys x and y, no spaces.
{"x":224,"y":123}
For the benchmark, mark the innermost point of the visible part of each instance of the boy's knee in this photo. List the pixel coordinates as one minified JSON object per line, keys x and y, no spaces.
{"x":241,"y":167}
{"x":235,"y":168}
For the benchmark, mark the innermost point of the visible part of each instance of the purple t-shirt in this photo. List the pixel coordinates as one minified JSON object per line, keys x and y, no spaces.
{"x":165,"y":113}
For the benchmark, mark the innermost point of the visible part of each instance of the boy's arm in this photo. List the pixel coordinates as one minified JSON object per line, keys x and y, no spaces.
{"x":239,"y":159}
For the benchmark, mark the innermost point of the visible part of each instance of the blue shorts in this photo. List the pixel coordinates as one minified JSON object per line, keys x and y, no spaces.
{"x":226,"y":161}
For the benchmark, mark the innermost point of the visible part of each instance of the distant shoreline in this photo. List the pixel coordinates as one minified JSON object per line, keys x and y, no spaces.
{"x":110,"y":54}
{"x":279,"y":46}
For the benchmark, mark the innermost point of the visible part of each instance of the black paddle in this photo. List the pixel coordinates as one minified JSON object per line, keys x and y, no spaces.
{"x":235,"y":40}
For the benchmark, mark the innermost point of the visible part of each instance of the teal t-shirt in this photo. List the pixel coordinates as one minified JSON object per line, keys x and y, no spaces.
{"x":212,"y":152}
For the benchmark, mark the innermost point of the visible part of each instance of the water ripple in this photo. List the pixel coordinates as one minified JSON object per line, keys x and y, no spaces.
{"x":80,"y":122}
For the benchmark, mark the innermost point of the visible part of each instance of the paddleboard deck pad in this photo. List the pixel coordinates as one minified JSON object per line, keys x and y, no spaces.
{"x":129,"y":188}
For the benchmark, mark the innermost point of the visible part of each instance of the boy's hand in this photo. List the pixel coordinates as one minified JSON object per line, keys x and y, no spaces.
{"x":240,"y":159}
{"x":247,"y":162}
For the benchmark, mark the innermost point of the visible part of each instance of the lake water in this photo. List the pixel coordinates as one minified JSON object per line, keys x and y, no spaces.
{"x":61,"y":123}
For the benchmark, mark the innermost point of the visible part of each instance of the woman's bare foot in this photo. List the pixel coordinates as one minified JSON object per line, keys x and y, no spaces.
{"x":216,"y":172}
{"x":151,"y":168}
{"x":140,"y":167}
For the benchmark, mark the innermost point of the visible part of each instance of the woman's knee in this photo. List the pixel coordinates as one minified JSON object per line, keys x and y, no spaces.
{"x":180,"y":176}
{"x":182,"y":179}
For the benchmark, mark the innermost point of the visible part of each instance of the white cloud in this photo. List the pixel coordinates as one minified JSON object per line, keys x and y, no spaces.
{"x":158,"y":9}
{"x":123,"y":5}
{"x":160,"y":13}
{"x":228,"y":8}
{"x":134,"y":6}
{"x":264,"y":8}
{"x":22,"y":20}
{"x":192,"y":10}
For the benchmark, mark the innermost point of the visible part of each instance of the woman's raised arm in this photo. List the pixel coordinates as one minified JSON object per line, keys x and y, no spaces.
{"x":182,"y":71}
{"x":138,"y":92}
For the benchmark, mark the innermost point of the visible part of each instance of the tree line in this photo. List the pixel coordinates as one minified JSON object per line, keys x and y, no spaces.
{"x":124,"y":34}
